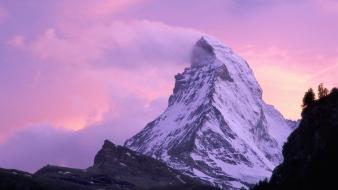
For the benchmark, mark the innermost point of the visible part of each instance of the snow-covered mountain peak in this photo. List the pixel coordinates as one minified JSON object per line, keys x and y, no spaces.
{"x":216,"y":127}
{"x":210,"y":55}
{"x":206,"y":50}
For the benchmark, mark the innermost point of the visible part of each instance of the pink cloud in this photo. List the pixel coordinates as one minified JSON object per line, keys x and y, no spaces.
{"x":78,"y":78}
{"x":70,"y":148}
{"x":107,"y":6}
{"x":51,"y":47}
{"x":60,"y":98}
{"x":42,"y":144}
{"x":86,"y":11}
{"x":17,"y":41}
{"x":90,"y":44}
{"x":330,"y":6}
{"x":3,"y":14}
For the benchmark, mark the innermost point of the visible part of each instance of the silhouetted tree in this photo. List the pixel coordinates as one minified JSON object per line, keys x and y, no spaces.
{"x":322,"y":91}
{"x":334,"y":91}
{"x":309,"y":98}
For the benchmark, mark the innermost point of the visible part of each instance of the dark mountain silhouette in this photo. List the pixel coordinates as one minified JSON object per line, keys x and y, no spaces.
{"x":115,"y":168}
{"x":311,"y":152}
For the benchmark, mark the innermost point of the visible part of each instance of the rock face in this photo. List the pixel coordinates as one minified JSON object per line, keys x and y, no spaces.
{"x":120,"y":163}
{"x":18,"y":180}
{"x":311,"y":152}
{"x":115,"y":168}
{"x":216,"y":127}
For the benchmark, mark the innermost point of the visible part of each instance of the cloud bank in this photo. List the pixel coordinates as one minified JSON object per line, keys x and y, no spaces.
{"x":106,"y":82}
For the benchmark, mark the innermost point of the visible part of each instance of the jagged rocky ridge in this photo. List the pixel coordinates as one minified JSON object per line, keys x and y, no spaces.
{"x":311,"y":152}
{"x":115,"y":168}
{"x":216,"y":127}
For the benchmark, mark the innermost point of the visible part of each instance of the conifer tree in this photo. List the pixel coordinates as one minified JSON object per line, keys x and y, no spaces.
{"x":309,"y":98}
{"x":334,"y":91}
{"x":322,"y":91}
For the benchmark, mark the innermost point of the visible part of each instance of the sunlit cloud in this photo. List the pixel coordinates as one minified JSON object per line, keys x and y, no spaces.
{"x":75,"y":80}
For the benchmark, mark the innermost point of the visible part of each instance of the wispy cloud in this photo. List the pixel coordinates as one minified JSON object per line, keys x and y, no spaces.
{"x":120,"y":41}
{"x":70,"y":80}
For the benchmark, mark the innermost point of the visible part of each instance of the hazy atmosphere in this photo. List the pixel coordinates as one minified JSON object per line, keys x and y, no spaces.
{"x":73,"y":73}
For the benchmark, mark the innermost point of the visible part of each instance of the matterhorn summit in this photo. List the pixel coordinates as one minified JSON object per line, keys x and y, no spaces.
{"x":216,"y":127}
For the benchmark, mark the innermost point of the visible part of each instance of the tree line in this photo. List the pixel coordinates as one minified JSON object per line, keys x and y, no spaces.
{"x":310,"y":96}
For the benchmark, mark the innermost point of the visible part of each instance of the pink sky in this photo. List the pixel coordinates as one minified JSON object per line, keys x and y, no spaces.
{"x":76,"y":70}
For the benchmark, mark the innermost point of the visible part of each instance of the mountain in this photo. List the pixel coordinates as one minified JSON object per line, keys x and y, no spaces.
{"x":126,"y":165}
{"x":311,"y":152}
{"x":216,"y":127}
{"x":19,"y":180}
{"x":115,"y":168}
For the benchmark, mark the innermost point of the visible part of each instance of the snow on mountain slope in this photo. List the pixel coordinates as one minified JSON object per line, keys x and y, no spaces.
{"x":216,"y":127}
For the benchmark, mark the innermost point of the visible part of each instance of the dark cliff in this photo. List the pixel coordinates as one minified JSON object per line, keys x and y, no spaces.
{"x":311,"y":152}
